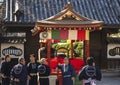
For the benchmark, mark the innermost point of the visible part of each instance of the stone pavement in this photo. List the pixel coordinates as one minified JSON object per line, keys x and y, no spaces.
{"x":109,"y":81}
{"x":110,"y":78}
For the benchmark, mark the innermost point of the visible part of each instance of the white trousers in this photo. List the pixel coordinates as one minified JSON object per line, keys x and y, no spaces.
{"x":91,"y":81}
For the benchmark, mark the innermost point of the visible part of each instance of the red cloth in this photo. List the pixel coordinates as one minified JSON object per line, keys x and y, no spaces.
{"x":81,"y":35}
{"x":76,"y":62}
{"x":64,"y":34}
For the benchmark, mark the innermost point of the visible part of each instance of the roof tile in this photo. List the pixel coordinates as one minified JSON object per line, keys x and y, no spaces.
{"x":34,"y":10}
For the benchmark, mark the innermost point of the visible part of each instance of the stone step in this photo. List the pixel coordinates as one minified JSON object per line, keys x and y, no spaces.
{"x":111,"y":72}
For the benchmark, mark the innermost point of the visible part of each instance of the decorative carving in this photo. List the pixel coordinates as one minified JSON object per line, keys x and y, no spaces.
{"x":115,"y":51}
{"x":12,"y":51}
{"x":44,"y":34}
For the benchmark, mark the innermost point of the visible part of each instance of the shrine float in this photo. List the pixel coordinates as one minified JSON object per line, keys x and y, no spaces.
{"x":66,"y":25}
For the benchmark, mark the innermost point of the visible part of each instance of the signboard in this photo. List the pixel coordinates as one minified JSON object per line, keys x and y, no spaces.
{"x":14,"y":50}
{"x":113,"y":51}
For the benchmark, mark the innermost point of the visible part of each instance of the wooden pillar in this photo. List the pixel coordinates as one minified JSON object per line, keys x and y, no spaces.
{"x":86,"y":52}
{"x":71,"y":49}
{"x":48,"y":51}
{"x":86,"y":47}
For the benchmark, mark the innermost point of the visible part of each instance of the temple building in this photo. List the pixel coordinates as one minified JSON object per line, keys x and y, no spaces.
{"x":19,"y":18}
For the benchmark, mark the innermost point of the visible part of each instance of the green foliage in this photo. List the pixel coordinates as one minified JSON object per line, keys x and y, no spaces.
{"x":57,"y":46}
{"x":78,"y":47}
{"x":54,"y":46}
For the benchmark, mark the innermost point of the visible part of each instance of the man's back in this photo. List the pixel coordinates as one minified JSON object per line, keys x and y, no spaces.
{"x":89,"y":73}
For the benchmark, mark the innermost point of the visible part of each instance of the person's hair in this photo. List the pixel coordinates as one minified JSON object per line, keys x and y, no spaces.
{"x":90,"y":61}
{"x":6,"y":56}
{"x":20,"y":59}
{"x":32,"y":55}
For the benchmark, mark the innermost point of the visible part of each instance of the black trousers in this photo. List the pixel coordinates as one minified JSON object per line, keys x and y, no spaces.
{"x":44,"y":81}
{"x":20,"y":83}
{"x":24,"y":82}
{"x":33,"y":81}
{"x":5,"y":81}
{"x":67,"y":81}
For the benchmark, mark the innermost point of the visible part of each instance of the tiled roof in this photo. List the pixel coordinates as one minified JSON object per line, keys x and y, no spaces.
{"x":13,"y":40}
{"x":35,"y":10}
{"x":113,"y":40}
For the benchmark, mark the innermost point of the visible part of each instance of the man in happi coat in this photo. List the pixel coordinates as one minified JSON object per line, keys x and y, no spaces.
{"x":19,"y":73}
{"x":89,"y":73}
{"x":68,"y":72}
{"x":44,"y":72}
{"x":32,"y":68}
{"x":5,"y":70}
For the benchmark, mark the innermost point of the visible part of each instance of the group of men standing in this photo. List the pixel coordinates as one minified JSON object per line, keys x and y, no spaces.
{"x":20,"y":73}
{"x":38,"y":73}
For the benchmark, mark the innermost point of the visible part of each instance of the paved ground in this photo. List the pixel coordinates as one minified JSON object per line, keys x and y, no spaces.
{"x":110,"y":77}
{"x":109,"y":81}
{"x":106,"y":80}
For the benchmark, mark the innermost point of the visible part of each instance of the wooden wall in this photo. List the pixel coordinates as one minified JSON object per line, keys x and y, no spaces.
{"x":98,"y":47}
{"x":31,"y":45}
